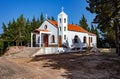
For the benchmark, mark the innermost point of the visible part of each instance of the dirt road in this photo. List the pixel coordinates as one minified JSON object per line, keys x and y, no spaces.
{"x":64,"y":66}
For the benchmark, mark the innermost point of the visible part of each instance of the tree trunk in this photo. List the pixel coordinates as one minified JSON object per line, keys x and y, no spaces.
{"x":117,"y":34}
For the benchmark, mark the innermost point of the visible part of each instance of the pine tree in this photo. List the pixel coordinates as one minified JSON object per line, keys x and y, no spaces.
{"x":18,"y":32}
{"x":41,"y":18}
{"x":52,"y":18}
{"x":4,"y":27}
{"x":21,"y":30}
{"x":33,"y":23}
{"x":83,"y":23}
{"x":107,"y":16}
{"x":94,"y":30}
{"x":48,"y":18}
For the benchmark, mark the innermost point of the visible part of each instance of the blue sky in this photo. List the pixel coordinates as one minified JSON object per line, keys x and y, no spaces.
{"x":10,"y":9}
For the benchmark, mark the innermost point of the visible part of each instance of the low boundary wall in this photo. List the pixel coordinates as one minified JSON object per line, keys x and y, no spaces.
{"x":107,"y":50}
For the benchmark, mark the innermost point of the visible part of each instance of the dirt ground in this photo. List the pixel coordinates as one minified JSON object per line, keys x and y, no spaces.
{"x":62,"y":66}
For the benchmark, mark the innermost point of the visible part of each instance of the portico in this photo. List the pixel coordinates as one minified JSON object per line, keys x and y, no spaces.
{"x":43,"y":37}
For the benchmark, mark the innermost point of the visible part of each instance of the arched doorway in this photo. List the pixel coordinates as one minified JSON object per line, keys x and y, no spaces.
{"x":45,"y":40}
{"x":89,"y":41}
{"x":76,"y":39}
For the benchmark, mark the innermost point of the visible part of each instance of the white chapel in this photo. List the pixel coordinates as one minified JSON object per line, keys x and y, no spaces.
{"x":60,"y":33}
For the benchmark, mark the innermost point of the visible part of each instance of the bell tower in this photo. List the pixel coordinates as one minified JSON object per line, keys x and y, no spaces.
{"x":63,"y":25}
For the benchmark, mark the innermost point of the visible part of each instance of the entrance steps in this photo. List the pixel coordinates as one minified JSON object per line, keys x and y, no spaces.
{"x":48,"y":50}
{"x":54,"y":50}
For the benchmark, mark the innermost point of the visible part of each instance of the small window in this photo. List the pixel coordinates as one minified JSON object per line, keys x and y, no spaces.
{"x":64,"y":28}
{"x":64,"y":37}
{"x":60,"y":28}
{"x":60,"y":20}
{"x":64,"y":20}
{"x":53,"y":39}
{"x":45,"y":27}
{"x":76,"y":39}
{"x":91,"y":39}
{"x":84,"y":39}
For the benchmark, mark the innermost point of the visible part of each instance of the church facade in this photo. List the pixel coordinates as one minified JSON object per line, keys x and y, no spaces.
{"x":57,"y":34}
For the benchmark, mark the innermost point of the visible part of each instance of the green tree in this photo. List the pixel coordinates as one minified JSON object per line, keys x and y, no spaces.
{"x":28,"y":32}
{"x":52,"y":18}
{"x":21,"y":33}
{"x":18,"y":32}
{"x":41,"y":18}
{"x":9,"y":34}
{"x":48,"y":18}
{"x":95,"y":31}
{"x":33,"y":24}
{"x":107,"y":16}
{"x":83,"y":23}
{"x":4,"y":27}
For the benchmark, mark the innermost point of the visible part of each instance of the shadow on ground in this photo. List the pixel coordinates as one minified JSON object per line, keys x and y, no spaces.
{"x":84,"y":66}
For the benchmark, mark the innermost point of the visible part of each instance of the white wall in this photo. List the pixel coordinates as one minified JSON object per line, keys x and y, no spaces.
{"x":63,"y":24}
{"x":53,"y":31}
{"x":70,"y":38}
{"x":71,"y":35}
{"x":94,"y":40}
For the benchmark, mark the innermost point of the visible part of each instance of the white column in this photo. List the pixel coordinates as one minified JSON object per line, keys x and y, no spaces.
{"x":31,"y":39}
{"x":40,"y":41}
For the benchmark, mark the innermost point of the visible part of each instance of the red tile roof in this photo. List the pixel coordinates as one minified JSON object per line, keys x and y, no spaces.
{"x":53,"y":22}
{"x":71,"y":27}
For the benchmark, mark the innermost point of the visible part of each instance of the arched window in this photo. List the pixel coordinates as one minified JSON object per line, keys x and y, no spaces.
{"x":53,"y":39}
{"x":84,"y":39}
{"x":64,"y":28}
{"x":45,"y":27}
{"x":64,"y":37}
{"x":60,"y":20}
{"x":76,"y":39}
{"x":64,"y":20}
{"x":60,"y":28}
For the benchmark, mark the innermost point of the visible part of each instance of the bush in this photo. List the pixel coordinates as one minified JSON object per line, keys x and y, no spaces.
{"x":3,"y":46}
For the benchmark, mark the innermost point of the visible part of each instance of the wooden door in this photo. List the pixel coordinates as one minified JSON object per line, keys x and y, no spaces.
{"x":45,"y":40}
{"x":89,"y":42}
{"x":59,"y":41}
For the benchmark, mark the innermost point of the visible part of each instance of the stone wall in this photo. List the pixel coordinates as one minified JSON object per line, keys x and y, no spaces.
{"x":107,"y":50}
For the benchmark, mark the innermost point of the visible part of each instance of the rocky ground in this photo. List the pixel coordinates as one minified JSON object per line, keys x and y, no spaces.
{"x":61,"y":66}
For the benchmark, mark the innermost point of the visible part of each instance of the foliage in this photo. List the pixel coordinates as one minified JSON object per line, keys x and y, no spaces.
{"x":83,"y":23}
{"x":107,"y":17}
{"x":95,"y":31}
{"x":3,"y":46}
{"x":18,"y":32}
{"x":51,"y":18}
